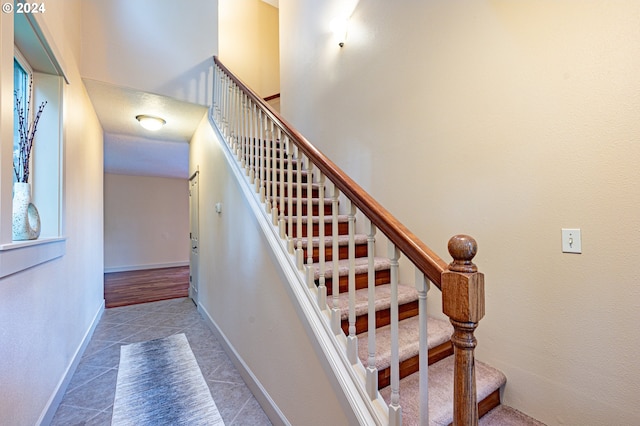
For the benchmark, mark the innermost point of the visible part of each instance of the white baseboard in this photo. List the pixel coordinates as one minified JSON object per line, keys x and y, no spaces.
{"x":270,"y":408}
{"x":144,"y":267}
{"x":56,"y":398}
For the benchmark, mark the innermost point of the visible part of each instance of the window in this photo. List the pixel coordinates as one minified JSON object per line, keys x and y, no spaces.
{"x":45,"y":163}
{"x":46,"y":160}
{"x":21,"y":76}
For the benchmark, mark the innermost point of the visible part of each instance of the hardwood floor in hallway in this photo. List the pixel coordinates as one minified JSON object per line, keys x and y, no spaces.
{"x":143,"y":286}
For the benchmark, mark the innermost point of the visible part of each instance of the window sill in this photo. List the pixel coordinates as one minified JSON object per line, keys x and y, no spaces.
{"x":21,"y":255}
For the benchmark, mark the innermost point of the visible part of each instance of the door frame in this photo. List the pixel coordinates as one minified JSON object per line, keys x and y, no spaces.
{"x":194,"y":235}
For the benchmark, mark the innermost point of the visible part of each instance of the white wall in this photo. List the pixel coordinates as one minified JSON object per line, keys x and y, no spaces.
{"x":507,"y":121}
{"x":249,"y":45}
{"x":46,"y":311}
{"x":157,"y":46}
{"x":146,"y":222}
{"x":245,"y":294}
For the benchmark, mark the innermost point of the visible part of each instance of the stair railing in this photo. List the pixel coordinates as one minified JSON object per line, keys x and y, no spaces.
{"x":283,"y":166}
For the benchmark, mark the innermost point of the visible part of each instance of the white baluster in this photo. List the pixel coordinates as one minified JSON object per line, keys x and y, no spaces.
{"x":285,"y":144}
{"x":249,"y":170}
{"x":322,"y":289}
{"x":263,"y":165}
{"x":241,"y":106}
{"x":256,"y":148}
{"x":269,"y":171}
{"x":422,"y":285}
{"x":234,"y":144}
{"x":223,"y":106}
{"x":243,"y":141}
{"x":237,"y":111}
{"x":279,"y":159}
{"x":238,"y":106}
{"x":219,"y":97}
{"x":372,"y":370}
{"x":216,"y":94}
{"x":310,"y":269}
{"x":221,"y":88}
{"x":254,"y":145}
{"x":234,"y":116}
{"x":274,"y":171}
{"x":225,"y":117}
{"x":248,"y":157}
{"x":247,"y":153}
{"x":395,"y":411}
{"x":352,"y":340}
{"x":231,"y":118}
{"x":299,"y":251}
{"x":335,"y":285}
{"x":292,"y":154}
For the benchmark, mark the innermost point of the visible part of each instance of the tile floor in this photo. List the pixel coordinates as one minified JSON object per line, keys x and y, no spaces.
{"x":89,"y":397}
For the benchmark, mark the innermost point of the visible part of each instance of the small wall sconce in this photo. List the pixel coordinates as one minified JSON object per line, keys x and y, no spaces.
{"x":339,"y":27}
{"x":150,"y":122}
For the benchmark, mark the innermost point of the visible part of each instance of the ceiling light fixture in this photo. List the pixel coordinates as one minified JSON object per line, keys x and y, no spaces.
{"x":150,"y":122}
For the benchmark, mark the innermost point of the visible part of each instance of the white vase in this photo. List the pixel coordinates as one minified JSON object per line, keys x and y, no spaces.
{"x":26,"y":220}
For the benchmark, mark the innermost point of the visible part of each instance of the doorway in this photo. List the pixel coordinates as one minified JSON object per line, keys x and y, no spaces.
{"x":193,"y":236}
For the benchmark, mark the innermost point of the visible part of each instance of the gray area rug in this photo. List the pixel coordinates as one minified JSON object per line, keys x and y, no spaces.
{"x":160,"y":383}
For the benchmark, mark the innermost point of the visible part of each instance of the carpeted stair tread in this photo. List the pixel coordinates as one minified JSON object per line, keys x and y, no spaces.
{"x":361,"y":266}
{"x":438,"y":332}
{"x":406,"y":294}
{"x":503,"y":415}
{"x":314,"y":187}
{"x":294,"y":174}
{"x":343,"y":240}
{"x":294,"y":201}
{"x":488,"y":380}
{"x":327,"y":218}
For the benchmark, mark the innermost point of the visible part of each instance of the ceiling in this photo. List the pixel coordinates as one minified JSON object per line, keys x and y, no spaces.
{"x":133,"y":150}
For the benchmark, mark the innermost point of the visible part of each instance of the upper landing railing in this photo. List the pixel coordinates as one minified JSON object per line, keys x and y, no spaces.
{"x":291,"y":176}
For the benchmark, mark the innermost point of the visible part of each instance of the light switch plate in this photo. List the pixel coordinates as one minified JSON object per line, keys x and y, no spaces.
{"x":571,"y":240}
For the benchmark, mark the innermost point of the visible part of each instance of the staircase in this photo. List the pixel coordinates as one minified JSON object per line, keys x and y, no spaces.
{"x":380,"y":319}
{"x":440,"y":358}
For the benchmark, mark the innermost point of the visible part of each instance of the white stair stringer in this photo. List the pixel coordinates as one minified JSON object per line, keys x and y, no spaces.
{"x":349,"y":377}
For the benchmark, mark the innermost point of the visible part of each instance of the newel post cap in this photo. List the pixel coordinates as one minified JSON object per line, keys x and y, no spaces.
{"x":462,"y":284}
{"x":463,"y":249}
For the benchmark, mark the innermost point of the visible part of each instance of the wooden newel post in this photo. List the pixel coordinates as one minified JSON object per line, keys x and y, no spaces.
{"x":463,"y":303}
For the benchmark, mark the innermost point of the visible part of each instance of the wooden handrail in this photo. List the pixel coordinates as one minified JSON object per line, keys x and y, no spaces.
{"x":422,"y":256}
{"x":272,"y":97}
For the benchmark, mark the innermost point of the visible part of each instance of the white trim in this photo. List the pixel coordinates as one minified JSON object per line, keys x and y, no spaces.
{"x":48,"y":45}
{"x":56,"y":398}
{"x":366,"y":411}
{"x":145,"y":267}
{"x":17,"y":54}
{"x":21,"y":255}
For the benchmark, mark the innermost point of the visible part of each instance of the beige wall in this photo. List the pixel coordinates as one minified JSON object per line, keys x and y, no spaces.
{"x":507,"y":121}
{"x":46,"y":311}
{"x":248,"y":34}
{"x":146,"y":222}
{"x":157,"y":46}
{"x":246,"y":295}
